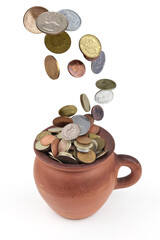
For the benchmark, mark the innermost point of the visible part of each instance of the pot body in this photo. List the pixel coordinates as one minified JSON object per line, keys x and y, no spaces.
{"x":76,"y":193}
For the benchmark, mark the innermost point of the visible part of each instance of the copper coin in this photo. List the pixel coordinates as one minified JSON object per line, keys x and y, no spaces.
{"x":52,"y":67}
{"x":83,"y":140}
{"x":62,"y":121}
{"x":97,"y":112}
{"x":89,"y":157}
{"x":76,"y":68}
{"x":47,"y":140}
{"x":54,"y":147}
{"x":94,"y":129}
{"x":42,"y":134}
{"x":90,"y":118}
{"x":30,"y":17}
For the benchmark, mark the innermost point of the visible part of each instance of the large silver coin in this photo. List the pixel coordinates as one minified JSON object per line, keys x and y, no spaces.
{"x":104,"y":96}
{"x":98,"y":64}
{"x":74,"y":20}
{"x":70,"y":131}
{"x":82,"y":122}
{"x":51,"y":22}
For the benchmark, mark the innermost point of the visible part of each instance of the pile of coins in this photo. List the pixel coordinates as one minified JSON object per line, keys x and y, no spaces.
{"x":73,"y":138}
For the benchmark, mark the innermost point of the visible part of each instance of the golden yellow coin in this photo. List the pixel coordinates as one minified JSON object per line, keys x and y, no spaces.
{"x":52,"y":67}
{"x":58,"y":43}
{"x":88,"y":157}
{"x":90,"y":46}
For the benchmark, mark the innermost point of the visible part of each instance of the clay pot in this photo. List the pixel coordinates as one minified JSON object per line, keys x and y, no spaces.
{"x":76,"y":191}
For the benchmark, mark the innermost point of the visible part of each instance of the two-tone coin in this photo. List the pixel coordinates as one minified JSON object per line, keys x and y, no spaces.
{"x":55,"y":129}
{"x":76,"y":68}
{"x":98,"y":64}
{"x":85,"y":102}
{"x":106,"y":84}
{"x":74,"y":20}
{"x":104,"y":96}
{"x":82,"y":122}
{"x":52,"y":67}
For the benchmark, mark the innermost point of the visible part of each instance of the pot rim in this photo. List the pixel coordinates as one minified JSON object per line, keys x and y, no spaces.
{"x":110,"y":145}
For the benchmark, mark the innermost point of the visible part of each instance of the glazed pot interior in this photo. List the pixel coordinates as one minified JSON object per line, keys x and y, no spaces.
{"x":110,"y":145}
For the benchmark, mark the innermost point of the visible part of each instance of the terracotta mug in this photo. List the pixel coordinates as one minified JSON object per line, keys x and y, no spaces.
{"x":76,"y":191}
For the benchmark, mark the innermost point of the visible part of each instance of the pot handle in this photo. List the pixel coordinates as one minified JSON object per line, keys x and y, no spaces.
{"x":136,"y":171}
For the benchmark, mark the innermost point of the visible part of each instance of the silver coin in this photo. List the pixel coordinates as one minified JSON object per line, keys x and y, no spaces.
{"x":83,"y":150}
{"x":104,"y":96}
{"x":82,"y":122}
{"x":74,"y":20}
{"x":98,"y":64}
{"x":51,"y":22}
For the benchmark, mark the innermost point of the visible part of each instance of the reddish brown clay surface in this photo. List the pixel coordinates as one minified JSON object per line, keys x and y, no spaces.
{"x":76,"y":191}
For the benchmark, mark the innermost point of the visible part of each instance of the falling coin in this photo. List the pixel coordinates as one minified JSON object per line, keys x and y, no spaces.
{"x":97,"y":112}
{"x":62,"y":121}
{"x":42,"y":134}
{"x":52,"y":67}
{"x":30,"y":17}
{"x":106,"y":84}
{"x":85,"y":102}
{"x":47,"y":140}
{"x":76,"y":68}
{"x":90,"y":59}
{"x":65,"y":157}
{"x":70,"y":131}
{"x":90,"y":46}
{"x":68,"y":110}
{"x":82,"y":122}
{"x":89,"y":157}
{"x":40,"y":147}
{"x":59,"y":43}
{"x":51,"y":22}
{"x":98,"y":64}
{"x":90,"y":118}
{"x":104,"y":96}
{"x":74,"y":20}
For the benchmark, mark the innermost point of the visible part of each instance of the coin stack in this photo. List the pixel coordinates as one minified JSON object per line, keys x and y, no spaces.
{"x":74,"y":138}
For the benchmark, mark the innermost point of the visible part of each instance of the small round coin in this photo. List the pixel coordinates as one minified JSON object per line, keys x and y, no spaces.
{"x":76,"y":68}
{"x":52,"y":67}
{"x":74,"y":20}
{"x":70,"y":131}
{"x":51,"y":22}
{"x":104,"y":96}
{"x":30,"y":17}
{"x":85,"y":102}
{"x":83,"y":140}
{"x":97,"y":112}
{"x":94,"y":129}
{"x":40,"y":147}
{"x":42,"y":134}
{"x":62,"y":121}
{"x":89,"y":157}
{"x":90,"y":46}
{"x":59,"y":43}
{"x":68,"y":110}
{"x":105,"y":84}
{"x":82,"y":122}
{"x":47,"y":140}
{"x":98,"y":64}
{"x":65,"y":157}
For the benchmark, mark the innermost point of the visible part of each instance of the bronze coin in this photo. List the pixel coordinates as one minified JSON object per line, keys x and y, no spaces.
{"x":47,"y":140}
{"x":62,"y":121}
{"x":83,"y":140}
{"x":90,"y":118}
{"x":88,"y":157}
{"x":52,"y":67}
{"x":54,"y":147}
{"x":94,"y":129}
{"x":97,"y":112}
{"x":76,"y":68}
{"x":30,"y":17}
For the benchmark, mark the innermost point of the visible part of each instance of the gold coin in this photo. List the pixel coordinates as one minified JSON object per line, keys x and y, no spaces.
{"x":42,"y":134}
{"x":90,"y":46}
{"x":52,"y":67}
{"x":68,"y":110}
{"x":93,"y":135}
{"x":30,"y":17}
{"x":88,"y":157}
{"x":59,"y":43}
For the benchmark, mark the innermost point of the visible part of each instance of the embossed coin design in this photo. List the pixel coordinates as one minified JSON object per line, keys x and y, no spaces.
{"x":74,"y":20}
{"x":98,"y":64}
{"x":70,"y":131}
{"x":85,"y":102}
{"x":82,"y":122}
{"x":104,"y":96}
{"x":76,"y":68}
{"x":51,"y":22}
{"x":30,"y":17}
{"x":52,"y":67}
{"x":106,"y":84}
{"x":59,"y":43}
{"x":90,"y":46}
{"x":68,"y":110}
{"x":97,"y":112}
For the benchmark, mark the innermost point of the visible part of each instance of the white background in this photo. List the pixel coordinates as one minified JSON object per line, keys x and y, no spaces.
{"x":130,"y":35}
